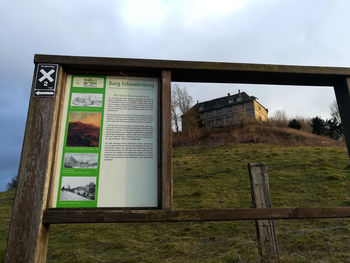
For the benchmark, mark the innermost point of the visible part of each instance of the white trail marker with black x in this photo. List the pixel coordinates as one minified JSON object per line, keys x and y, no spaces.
{"x":45,"y":80}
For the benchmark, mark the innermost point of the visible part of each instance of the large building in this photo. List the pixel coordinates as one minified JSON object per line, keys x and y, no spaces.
{"x":224,"y":111}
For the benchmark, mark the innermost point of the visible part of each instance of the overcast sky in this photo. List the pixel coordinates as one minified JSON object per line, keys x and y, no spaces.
{"x":298,"y":32}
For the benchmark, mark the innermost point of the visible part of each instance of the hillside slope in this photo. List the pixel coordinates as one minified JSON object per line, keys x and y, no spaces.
{"x":217,"y":177}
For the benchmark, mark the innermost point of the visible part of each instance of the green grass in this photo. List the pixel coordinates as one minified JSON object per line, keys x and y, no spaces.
{"x":6,"y":200}
{"x":217,"y":177}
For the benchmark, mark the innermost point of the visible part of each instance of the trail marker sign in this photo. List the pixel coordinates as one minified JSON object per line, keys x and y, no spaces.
{"x":45,"y":80}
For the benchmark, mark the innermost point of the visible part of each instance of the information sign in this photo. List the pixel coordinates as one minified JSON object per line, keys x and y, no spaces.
{"x":108,"y":153}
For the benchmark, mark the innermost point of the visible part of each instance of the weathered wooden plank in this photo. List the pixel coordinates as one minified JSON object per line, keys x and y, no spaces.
{"x":58,"y":117}
{"x":265,"y":229}
{"x":28,"y":237}
{"x":200,"y":71}
{"x":342,"y":93}
{"x":99,"y":215}
{"x":188,"y":65}
{"x":166,"y":154}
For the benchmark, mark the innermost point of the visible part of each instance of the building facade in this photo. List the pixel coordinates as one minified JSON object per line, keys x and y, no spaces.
{"x":224,"y":111}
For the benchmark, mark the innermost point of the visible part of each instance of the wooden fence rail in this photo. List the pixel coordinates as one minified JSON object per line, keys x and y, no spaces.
{"x":101,"y":215}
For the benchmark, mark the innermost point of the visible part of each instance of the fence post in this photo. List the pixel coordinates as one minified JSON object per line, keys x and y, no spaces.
{"x":265,"y":229}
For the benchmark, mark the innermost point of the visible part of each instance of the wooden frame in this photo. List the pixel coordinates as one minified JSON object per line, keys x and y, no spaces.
{"x":217,"y":72}
{"x":31,"y":215}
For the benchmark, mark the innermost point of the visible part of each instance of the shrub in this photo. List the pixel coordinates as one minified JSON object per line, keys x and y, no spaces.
{"x":294,"y":124}
{"x":334,"y":129}
{"x":13,"y":184}
{"x":318,"y":126}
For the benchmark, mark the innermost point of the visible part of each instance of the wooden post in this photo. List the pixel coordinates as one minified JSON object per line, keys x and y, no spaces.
{"x":342,"y":93}
{"x":265,"y":229}
{"x":166,"y":155}
{"x":28,"y":237}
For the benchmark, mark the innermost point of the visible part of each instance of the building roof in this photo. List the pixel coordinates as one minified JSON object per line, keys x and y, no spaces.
{"x":239,"y":98}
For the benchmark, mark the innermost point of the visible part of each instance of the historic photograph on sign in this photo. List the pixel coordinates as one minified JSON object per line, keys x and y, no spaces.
{"x":86,"y":100}
{"x":78,"y":188}
{"x":80,"y":160}
{"x":88,"y":82}
{"x":84,"y":129}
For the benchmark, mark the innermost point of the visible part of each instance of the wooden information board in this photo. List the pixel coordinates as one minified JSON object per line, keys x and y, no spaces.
{"x":94,"y":139}
{"x":97,"y":144}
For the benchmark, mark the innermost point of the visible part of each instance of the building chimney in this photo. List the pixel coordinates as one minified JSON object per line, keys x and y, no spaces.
{"x":239,"y":91}
{"x":228,"y":94}
{"x":197,"y":101}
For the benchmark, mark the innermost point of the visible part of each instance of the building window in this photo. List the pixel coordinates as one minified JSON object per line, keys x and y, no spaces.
{"x":259,"y":108}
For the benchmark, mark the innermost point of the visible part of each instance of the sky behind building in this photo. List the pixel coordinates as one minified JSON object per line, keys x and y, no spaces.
{"x":293,"y":32}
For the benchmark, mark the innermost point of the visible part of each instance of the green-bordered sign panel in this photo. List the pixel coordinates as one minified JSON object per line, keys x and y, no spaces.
{"x":108,"y":153}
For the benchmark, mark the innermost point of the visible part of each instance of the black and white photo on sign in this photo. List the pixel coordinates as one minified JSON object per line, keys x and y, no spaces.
{"x":80,"y":160}
{"x":78,"y":188}
{"x":86,"y":99}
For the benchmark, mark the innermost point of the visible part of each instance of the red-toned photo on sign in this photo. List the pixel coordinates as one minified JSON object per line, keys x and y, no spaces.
{"x":83,"y":129}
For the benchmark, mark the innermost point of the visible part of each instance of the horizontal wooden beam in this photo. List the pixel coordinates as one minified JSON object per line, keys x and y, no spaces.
{"x":200,"y":71}
{"x":109,"y":215}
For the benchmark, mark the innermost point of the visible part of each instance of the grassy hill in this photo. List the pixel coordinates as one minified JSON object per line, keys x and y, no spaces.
{"x":6,"y":200}
{"x":217,"y":177}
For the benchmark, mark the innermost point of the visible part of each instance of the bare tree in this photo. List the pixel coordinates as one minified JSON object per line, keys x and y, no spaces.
{"x":335,"y":111}
{"x":334,"y":125}
{"x":280,"y":118}
{"x":174,"y":114}
{"x":181,"y":102}
{"x":183,"y":98}
{"x":280,"y":115}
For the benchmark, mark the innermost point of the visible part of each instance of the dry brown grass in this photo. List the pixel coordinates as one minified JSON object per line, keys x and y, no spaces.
{"x":253,"y":133}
